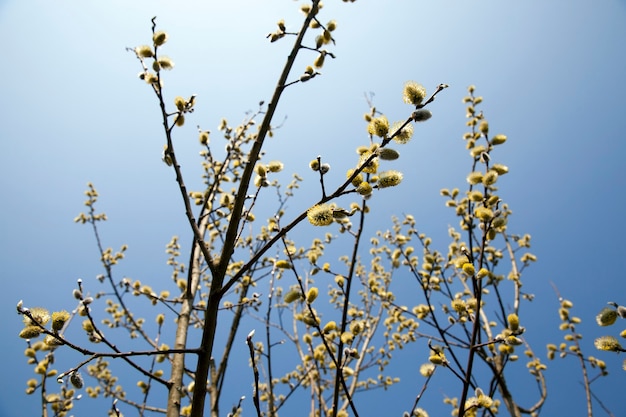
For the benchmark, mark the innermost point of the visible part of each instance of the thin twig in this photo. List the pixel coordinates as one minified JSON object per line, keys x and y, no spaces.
{"x":255,"y":398}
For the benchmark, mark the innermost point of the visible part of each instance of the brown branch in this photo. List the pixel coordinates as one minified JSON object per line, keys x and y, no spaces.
{"x":219,"y":270}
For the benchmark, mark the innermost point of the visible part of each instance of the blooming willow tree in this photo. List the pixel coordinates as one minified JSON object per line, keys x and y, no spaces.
{"x":244,"y":266}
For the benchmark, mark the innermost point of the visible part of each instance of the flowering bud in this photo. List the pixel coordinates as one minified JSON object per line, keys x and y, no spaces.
{"x":59,"y":318}
{"x":329,"y":327}
{"x":144,"y":51}
{"x":413,"y":93}
{"x":320,"y":215}
{"x":389,"y":178}
{"x":314,"y":165}
{"x":468,"y":268}
{"x":608,"y":343}
{"x":483,"y":213}
{"x":339,"y":280}
{"x":283,"y":264}
{"x":379,"y":126}
{"x":311,"y":295}
{"x":159,"y":38}
{"x":260,"y":170}
{"x":513,"y":320}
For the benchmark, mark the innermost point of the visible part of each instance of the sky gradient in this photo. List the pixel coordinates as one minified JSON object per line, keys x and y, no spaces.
{"x":552,"y":75}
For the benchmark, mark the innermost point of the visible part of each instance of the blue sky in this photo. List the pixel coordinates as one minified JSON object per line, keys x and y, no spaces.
{"x":551,"y":74}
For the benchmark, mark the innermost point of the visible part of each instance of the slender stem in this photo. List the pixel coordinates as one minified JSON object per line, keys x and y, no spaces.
{"x":476,"y":327}
{"x":270,"y":378}
{"x":255,"y":398}
{"x":344,"y":313}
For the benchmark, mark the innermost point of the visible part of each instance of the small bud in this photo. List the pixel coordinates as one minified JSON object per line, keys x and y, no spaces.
{"x":364,"y":189}
{"x":319,"y":61}
{"x":484,"y":127}
{"x":436,"y":359}
{"x":204,"y":137}
{"x":340,"y":280}
{"x":283,"y":264}
{"x":76,"y":380}
{"x":166,"y":63}
{"x":275,"y":166}
{"x":180,"y":103}
{"x":421,"y":115}
{"x":388,"y":154}
{"x":341,"y":213}
{"x":606,"y":317}
{"x":292,"y":296}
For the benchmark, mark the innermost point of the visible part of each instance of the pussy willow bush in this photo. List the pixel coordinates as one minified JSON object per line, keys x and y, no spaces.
{"x":327,"y":320}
